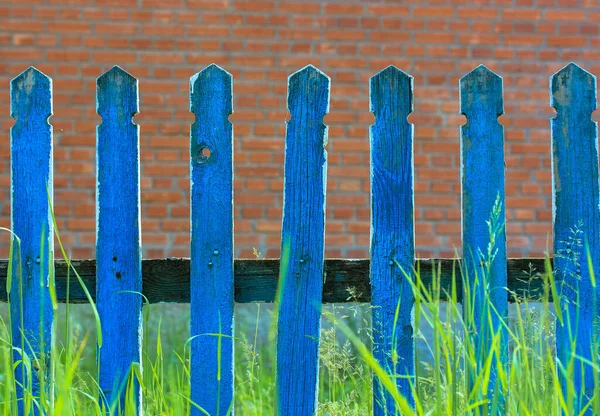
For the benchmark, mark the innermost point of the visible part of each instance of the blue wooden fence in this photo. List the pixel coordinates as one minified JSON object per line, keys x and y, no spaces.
{"x":301,"y":283}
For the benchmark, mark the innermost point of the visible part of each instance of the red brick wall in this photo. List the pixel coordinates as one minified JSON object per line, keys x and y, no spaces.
{"x":164,"y":42}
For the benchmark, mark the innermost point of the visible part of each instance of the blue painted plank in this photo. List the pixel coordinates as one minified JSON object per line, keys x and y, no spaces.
{"x":211,"y":273}
{"x":392,"y":233}
{"x":118,"y":251}
{"x":31,"y":179}
{"x":483,"y":204}
{"x":576,"y":220}
{"x":302,"y":243}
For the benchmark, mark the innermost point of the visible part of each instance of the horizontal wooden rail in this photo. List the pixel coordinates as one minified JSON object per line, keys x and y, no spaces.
{"x":168,"y":280}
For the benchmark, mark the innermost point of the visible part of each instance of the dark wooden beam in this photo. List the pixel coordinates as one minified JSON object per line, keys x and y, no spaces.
{"x":168,"y":280}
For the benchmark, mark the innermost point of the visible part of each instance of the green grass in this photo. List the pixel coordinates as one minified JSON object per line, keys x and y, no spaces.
{"x":449,"y":380}
{"x":529,"y":383}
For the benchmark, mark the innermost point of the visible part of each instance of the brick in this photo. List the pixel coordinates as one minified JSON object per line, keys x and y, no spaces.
{"x":19,"y":39}
{"x":389,"y":36}
{"x":344,"y":35}
{"x":170,"y":4}
{"x":388,"y":9}
{"x":68,"y":56}
{"x":212,"y":31}
{"x":301,"y":34}
{"x":477,"y":13}
{"x":429,"y":12}
{"x":521,"y":14}
{"x":208,"y":4}
{"x":434,"y":37}
{"x":517,"y":40}
{"x":254,"y":5}
{"x":299,"y":7}
{"x":254,"y":32}
{"x":344,"y":9}
{"x":19,"y":25}
{"x":116,"y":28}
{"x":566,"y":41}
{"x":115,"y":57}
{"x":163,"y":30}
{"x":566,"y":15}
{"x":118,"y":15}
{"x":479,"y":39}
{"x":161,"y":58}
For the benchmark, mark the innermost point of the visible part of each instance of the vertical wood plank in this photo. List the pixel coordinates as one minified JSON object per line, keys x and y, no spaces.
{"x":392,"y":233}
{"x":576,"y":221}
{"x":211,"y":274}
{"x":31,"y":219}
{"x":483,"y":205}
{"x":303,"y":233}
{"x":118,"y":232}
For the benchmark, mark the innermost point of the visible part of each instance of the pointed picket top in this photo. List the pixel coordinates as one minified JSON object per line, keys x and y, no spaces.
{"x":116,"y":73}
{"x":481,"y":87}
{"x":310,"y":70}
{"x":211,"y":102}
{"x":211,"y":88}
{"x":573,"y":82}
{"x":31,"y":88}
{"x":391,"y":85}
{"x":117,"y":90}
{"x":312,"y":82}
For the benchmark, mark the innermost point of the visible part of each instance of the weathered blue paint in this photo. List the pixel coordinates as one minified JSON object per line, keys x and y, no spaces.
{"x":576,"y":219}
{"x":303,"y":233}
{"x":211,"y":279}
{"x":392,"y":232}
{"x":31,"y":179}
{"x":482,"y":176}
{"x":118,"y":232}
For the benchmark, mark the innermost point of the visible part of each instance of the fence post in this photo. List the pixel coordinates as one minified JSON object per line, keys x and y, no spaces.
{"x":33,"y":262}
{"x":211,"y":273}
{"x":302,"y":243}
{"x":118,"y":252}
{"x":576,"y":227}
{"x":392,"y":233}
{"x":483,"y":219}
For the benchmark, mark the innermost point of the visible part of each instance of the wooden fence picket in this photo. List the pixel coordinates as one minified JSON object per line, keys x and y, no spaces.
{"x":576,"y":224}
{"x":483,"y":215}
{"x":31,"y":220}
{"x":211,"y":263}
{"x":118,"y":233}
{"x":302,"y":243}
{"x":392,"y":233}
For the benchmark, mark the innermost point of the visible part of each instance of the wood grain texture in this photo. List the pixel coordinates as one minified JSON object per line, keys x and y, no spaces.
{"x":576,"y":218}
{"x":118,"y":231}
{"x":211,"y":273}
{"x":392,"y":233}
{"x":302,"y":243}
{"x":168,"y":280}
{"x":31,"y":221}
{"x":483,"y":231}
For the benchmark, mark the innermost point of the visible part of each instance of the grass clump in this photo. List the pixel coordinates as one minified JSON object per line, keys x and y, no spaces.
{"x":529,"y":385}
{"x":450,"y":379}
